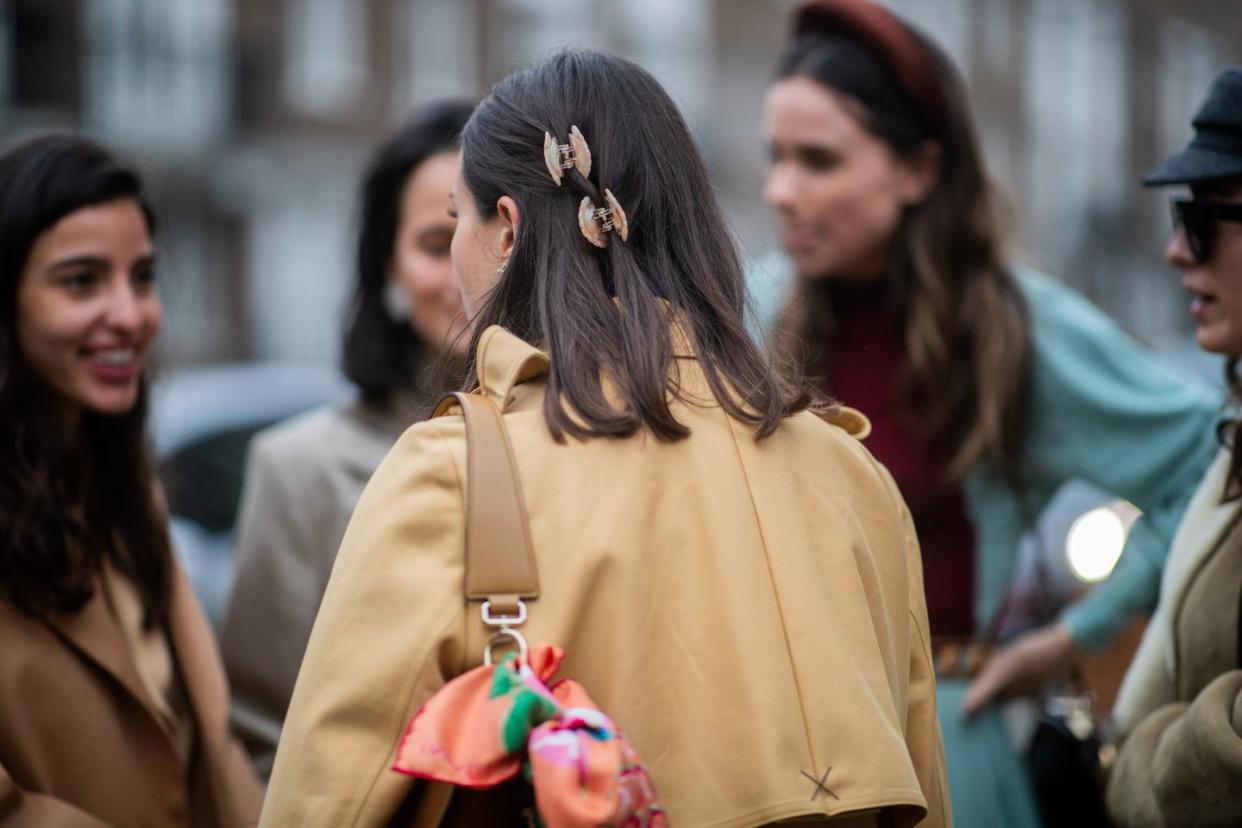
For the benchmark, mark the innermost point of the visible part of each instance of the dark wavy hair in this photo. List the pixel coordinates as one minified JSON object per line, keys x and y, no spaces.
{"x":68,"y":502}
{"x":381,"y":353}
{"x":966,"y":379}
{"x":603,"y":314}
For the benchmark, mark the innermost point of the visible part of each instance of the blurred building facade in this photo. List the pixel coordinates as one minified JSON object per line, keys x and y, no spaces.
{"x":253,"y":119}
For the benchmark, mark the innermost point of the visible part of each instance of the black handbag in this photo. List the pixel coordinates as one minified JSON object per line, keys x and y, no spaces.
{"x":1064,"y":761}
{"x":1063,"y":756}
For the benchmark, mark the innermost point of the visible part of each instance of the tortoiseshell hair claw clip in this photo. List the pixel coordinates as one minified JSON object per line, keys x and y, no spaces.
{"x":560,"y":157}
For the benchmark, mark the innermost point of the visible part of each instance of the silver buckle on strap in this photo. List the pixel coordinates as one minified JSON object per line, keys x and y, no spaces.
{"x":505,"y":631}
{"x":504,"y":620}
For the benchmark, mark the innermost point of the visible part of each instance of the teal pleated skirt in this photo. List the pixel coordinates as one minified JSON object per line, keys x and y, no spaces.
{"x":989,"y":785}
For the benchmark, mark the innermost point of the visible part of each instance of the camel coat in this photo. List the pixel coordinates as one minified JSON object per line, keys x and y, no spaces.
{"x":749,"y":613}
{"x":82,"y":743}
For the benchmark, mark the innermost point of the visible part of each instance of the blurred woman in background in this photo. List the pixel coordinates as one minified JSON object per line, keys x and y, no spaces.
{"x":1179,"y":712}
{"x":113,"y":703}
{"x":401,"y":349}
{"x":988,"y":385}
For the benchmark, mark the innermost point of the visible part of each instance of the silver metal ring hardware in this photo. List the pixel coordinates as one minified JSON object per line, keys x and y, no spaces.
{"x":498,"y":637}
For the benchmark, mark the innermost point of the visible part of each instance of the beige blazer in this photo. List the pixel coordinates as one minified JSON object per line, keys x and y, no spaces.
{"x":82,"y":743}
{"x":750,"y":613}
{"x":303,"y":479}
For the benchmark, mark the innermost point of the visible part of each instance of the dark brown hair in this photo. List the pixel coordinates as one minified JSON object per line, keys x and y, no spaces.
{"x":604,"y":314}
{"x":381,"y":353}
{"x":965,"y":380}
{"x":68,"y":502}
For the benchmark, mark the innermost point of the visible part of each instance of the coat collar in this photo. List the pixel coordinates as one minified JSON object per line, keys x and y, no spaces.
{"x":1205,"y":525}
{"x":95,"y":633}
{"x":505,"y":361}
{"x":363,"y":434}
{"x":850,"y":420}
{"x":1149,"y":681}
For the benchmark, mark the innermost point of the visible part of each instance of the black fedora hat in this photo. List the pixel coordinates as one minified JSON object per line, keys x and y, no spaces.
{"x":1216,"y":150}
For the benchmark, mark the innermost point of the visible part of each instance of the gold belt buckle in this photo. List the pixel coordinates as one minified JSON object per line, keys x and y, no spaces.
{"x":955,"y":659}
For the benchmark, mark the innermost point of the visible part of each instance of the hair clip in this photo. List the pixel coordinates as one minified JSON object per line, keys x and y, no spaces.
{"x":576,"y":154}
{"x":594,"y":221}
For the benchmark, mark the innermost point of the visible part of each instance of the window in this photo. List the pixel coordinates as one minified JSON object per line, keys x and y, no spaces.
{"x":46,"y":69}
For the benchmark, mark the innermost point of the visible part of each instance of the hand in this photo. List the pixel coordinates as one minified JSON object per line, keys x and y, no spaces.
{"x":1020,"y":668}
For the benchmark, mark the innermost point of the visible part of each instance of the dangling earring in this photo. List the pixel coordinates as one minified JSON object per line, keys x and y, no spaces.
{"x":500,"y":271}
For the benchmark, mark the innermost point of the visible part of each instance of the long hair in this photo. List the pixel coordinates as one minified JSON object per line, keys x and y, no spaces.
{"x":605,"y":315}
{"x":68,"y":502}
{"x":965,"y":380}
{"x":381,"y":353}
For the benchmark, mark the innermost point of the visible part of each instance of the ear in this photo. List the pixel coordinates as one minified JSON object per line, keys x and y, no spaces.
{"x":921,"y":173}
{"x":507,"y":214}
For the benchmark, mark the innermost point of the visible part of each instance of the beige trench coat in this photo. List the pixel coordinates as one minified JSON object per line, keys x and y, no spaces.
{"x":303,"y":480}
{"x":750,"y":613}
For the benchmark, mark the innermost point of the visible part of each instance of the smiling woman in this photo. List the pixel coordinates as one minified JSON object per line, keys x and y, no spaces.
{"x":101,"y":635}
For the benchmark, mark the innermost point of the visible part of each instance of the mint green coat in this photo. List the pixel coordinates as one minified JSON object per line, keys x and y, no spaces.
{"x":1103,"y":409}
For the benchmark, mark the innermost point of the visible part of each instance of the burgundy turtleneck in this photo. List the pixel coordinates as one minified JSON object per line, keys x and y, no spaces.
{"x":866,"y":354}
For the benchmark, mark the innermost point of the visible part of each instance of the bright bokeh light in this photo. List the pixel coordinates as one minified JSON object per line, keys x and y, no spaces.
{"x":1094,"y":543}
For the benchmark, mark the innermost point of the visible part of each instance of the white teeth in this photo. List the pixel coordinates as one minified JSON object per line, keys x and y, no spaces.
{"x":114,"y":356}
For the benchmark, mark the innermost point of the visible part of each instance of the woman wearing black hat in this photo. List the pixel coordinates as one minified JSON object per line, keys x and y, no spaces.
{"x":988,"y":385}
{"x":1180,"y":707}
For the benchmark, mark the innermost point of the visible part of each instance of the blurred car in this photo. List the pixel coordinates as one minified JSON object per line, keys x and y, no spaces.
{"x":202,"y":421}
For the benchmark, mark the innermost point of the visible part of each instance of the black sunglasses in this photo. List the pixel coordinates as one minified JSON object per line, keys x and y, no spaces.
{"x":1199,"y":219}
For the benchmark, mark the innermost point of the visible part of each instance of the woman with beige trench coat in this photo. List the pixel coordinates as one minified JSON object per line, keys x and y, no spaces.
{"x":735,"y":580}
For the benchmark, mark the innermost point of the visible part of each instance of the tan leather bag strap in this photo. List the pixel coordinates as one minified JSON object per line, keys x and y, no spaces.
{"x":500,"y":563}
